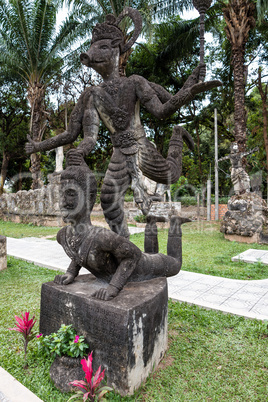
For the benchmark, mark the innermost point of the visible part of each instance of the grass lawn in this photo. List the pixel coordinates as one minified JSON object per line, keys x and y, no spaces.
{"x":205,"y":250}
{"x":19,"y":230}
{"x":211,"y":356}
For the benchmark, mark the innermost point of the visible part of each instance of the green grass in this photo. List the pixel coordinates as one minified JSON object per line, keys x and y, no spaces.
{"x":205,"y":250}
{"x":211,"y":356}
{"x":19,"y":230}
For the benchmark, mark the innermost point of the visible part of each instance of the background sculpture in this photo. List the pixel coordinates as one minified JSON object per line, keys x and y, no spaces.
{"x":239,"y":176}
{"x":117,"y":103}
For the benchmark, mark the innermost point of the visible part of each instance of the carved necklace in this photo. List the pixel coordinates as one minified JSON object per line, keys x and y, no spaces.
{"x":75,"y":240}
{"x":111,"y":87}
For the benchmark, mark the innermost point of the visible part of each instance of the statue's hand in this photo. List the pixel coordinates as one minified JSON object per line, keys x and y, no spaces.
{"x":64,"y":279}
{"x":204,"y":86}
{"x":31,"y":146}
{"x":75,"y":157}
{"x":106,"y":294}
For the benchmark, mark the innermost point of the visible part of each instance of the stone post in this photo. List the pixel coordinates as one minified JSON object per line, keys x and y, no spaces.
{"x":3,"y":252}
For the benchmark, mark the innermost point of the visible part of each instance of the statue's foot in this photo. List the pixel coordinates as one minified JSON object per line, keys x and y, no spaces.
{"x":180,"y":220}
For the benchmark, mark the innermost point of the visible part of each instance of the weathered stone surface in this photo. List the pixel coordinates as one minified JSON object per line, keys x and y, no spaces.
{"x":65,"y":369}
{"x":3,"y":252}
{"x":246,"y":216}
{"x":40,"y":207}
{"x":165,"y":209}
{"x":127,"y":334}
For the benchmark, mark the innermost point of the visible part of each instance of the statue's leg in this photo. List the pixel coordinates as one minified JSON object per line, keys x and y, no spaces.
{"x":115,"y":185}
{"x":159,"y":169}
{"x":156,"y":265}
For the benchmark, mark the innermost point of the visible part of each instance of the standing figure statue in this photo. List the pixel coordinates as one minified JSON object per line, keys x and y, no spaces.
{"x":117,"y":103}
{"x":239,"y":176}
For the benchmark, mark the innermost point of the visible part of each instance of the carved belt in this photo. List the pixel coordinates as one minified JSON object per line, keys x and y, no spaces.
{"x":125,"y":141}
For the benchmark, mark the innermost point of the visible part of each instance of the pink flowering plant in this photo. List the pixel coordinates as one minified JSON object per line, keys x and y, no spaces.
{"x":90,"y":390}
{"x":64,"y":342}
{"x":24,"y":326}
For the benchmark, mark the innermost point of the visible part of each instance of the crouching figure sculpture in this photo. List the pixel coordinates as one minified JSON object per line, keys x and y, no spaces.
{"x":107,"y":255}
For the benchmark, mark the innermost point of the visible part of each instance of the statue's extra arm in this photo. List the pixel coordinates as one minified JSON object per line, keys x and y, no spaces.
{"x":153,"y":102}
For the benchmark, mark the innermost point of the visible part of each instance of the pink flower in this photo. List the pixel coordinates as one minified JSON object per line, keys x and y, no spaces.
{"x":24,"y":325}
{"x":76,"y":339}
{"x":87,"y":368}
{"x":91,"y":385}
{"x":39,"y":336}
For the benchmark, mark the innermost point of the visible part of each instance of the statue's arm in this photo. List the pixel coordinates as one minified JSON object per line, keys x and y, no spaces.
{"x":192,"y":87}
{"x":224,"y":158}
{"x":128,"y":256}
{"x":68,"y":277}
{"x":67,"y":137}
{"x":91,"y":122}
{"x":249,"y":152}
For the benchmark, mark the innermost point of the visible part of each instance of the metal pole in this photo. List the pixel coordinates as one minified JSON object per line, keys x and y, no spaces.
{"x":209,"y":200}
{"x":216,"y":167}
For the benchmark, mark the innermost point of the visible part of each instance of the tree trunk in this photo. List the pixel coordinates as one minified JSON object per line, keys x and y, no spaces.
{"x":238,"y":59}
{"x":4,"y":167}
{"x":239,"y":18}
{"x":263,"y":90}
{"x":36,"y":94}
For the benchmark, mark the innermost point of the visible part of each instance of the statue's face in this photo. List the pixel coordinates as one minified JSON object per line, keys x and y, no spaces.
{"x":72,"y":201}
{"x":101,"y":56}
{"x":234,"y":148}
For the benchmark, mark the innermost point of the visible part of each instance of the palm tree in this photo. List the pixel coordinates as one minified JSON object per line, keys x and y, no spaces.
{"x":240,"y":17}
{"x":31,"y":49}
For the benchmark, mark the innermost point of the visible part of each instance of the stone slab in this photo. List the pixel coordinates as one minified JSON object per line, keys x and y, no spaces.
{"x":12,"y":390}
{"x":243,"y":239}
{"x":128,"y":335}
{"x":252,"y":256}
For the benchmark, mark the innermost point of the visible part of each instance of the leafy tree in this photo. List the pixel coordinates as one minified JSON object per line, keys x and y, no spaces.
{"x":31,"y":49}
{"x":14,"y":123}
{"x":240,"y":17}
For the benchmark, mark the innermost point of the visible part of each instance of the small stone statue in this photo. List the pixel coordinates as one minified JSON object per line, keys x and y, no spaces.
{"x":239,"y":176}
{"x":107,"y":255}
{"x":117,"y":103}
{"x":59,"y":159}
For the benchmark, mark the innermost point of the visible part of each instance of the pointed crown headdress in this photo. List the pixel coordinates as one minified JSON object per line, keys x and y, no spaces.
{"x":110,"y":29}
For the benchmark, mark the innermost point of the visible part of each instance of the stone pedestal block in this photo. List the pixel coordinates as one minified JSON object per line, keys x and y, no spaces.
{"x":3,"y":252}
{"x":128,"y":335}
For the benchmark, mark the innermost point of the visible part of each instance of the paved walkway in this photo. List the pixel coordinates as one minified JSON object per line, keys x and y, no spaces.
{"x":244,"y":298}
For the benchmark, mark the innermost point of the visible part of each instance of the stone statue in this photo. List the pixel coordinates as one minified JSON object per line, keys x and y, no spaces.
{"x":107,"y":255}
{"x":239,"y":176}
{"x":59,"y":159}
{"x":117,"y":103}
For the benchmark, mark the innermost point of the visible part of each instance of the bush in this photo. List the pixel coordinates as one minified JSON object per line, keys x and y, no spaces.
{"x":187,"y":200}
{"x":140,"y":218}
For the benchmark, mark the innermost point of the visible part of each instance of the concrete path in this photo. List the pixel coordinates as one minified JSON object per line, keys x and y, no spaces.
{"x":244,"y":298}
{"x":12,"y":390}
